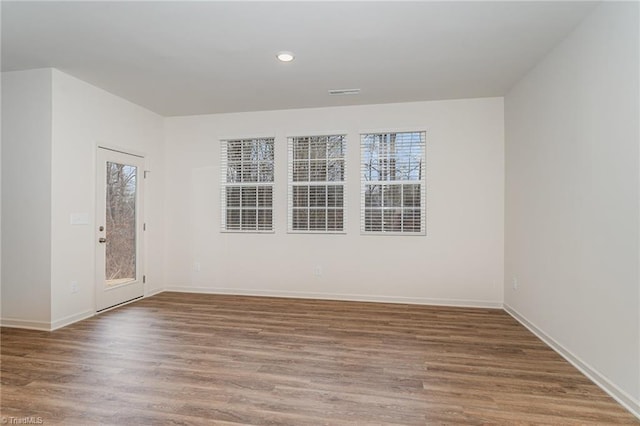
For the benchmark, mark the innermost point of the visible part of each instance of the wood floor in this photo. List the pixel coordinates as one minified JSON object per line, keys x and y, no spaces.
{"x":205,"y":359}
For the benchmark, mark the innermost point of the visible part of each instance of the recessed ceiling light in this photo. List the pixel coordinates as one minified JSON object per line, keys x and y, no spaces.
{"x":285,"y":56}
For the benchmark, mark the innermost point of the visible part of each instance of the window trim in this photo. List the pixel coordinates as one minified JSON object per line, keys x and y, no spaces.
{"x":224,"y":185}
{"x":422,"y":182}
{"x":309,"y":183}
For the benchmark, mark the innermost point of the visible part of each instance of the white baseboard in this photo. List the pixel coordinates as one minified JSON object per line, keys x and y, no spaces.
{"x":59,"y":323}
{"x":45,"y":325}
{"x":614,"y":391}
{"x":63,"y":322}
{"x":345,"y":297}
{"x":68,"y":320}
{"x":153,"y":292}
{"x":27,"y":324}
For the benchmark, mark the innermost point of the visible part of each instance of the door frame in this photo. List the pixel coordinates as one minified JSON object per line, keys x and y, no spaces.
{"x":99,"y":268}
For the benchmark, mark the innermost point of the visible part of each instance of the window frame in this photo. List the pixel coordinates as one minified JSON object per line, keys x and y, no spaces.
{"x":225,"y":184}
{"x":291,"y":183}
{"x":421,"y":181}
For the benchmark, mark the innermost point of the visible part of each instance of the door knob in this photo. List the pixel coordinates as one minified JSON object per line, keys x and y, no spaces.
{"x":102,"y":240}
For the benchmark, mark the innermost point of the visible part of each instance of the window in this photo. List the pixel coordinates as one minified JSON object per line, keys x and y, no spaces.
{"x":247,"y":185}
{"x":316,"y":183}
{"x":393,"y":183}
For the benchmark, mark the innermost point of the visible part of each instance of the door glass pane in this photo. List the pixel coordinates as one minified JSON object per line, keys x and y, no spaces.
{"x":121,"y":224}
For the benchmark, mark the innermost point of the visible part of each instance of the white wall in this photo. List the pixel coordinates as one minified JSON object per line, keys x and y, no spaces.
{"x":460,"y":261}
{"x":572,"y":194}
{"x":83,"y":118}
{"x":52,"y":125}
{"x":26,"y":198}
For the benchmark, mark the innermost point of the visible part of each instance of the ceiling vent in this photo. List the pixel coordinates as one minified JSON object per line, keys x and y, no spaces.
{"x":344,"y":91}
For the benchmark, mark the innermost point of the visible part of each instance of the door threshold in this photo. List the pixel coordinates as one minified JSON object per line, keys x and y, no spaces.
{"x":119,"y":304}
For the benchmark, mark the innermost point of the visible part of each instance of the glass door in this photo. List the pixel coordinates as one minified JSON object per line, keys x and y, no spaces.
{"x":119,"y":235}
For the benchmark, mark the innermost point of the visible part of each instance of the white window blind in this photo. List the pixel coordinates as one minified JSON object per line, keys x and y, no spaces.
{"x":393,"y":183}
{"x":247,"y":185}
{"x":316,"y":183}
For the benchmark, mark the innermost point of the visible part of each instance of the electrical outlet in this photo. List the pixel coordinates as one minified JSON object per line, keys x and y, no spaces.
{"x":317,"y":271}
{"x":514,"y":283}
{"x":196,"y":266}
{"x":74,"y":286}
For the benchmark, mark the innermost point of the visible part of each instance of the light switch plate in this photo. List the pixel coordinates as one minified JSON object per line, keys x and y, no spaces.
{"x":79,"y":218}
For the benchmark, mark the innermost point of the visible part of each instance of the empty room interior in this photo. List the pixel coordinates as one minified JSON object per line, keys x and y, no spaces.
{"x":316,"y":213}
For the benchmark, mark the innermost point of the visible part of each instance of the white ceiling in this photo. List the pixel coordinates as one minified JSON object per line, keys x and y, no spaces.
{"x":183,"y":58}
